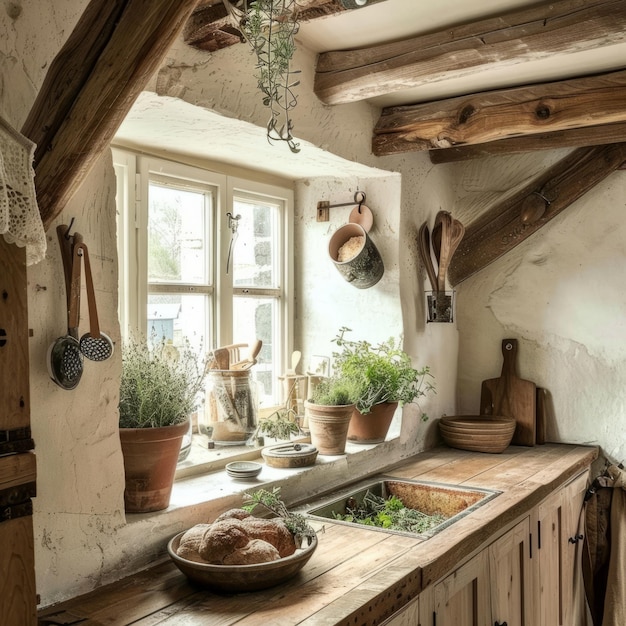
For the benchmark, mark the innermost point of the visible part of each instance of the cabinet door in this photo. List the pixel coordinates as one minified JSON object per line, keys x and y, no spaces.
{"x":509,"y":574}
{"x":557,"y":567}
{"x":462,"y":598}
{"x":406,"y":616}
{"x":18,"y":604}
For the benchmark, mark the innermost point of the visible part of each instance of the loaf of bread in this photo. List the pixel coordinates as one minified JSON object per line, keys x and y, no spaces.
{"x":255,"y":551}
{"x":237,"y":538}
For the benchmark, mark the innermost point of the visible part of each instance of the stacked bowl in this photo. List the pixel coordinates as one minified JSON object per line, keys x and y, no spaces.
{"x":478,"y":433}
{"x":243,"y":470}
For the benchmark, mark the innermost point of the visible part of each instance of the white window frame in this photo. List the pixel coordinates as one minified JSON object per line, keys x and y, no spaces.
{"x":133,"y":172}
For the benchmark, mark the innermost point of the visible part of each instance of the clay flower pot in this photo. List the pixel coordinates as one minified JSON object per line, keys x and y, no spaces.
{"x":328,"y":426}
{"x":150,"y":457}
{"x":373,"y":426}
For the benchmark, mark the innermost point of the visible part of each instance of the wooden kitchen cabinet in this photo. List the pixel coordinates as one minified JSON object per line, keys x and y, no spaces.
{"x":491,"y":587}
{"x":18,"y":599}
{"x":557,"y":574}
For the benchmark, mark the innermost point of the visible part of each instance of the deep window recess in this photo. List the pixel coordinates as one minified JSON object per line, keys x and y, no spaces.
{"x":206,"y":258}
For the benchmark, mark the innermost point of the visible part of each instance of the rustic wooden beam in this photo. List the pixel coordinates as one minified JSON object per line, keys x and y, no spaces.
{"x":504,"y":113}
{"x":564,"y":27}
{"x":507,"y":224}
{"x":93,"y":82}
{"x":569,"y":138}
{"x":210,"y":28}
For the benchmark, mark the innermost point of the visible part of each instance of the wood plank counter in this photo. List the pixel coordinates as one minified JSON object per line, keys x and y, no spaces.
{"x":357,"y":576}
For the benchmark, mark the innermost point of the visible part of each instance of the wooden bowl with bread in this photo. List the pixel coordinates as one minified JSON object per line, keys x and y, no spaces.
{"x":239,"y":552}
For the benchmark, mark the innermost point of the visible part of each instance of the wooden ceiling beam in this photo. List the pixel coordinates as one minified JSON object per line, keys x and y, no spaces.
{"x":91,"y":85}
{"x":506,"y":113}
{"x":504,"y":226}
{"x":210,"y":28}
{"x":569,"y":138}
{"x":544,"y":30}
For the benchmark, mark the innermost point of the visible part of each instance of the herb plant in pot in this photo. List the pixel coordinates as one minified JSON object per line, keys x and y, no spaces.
{"x":158,"y":393}
{"x":386,"y":379}
{"x":329,"y":411}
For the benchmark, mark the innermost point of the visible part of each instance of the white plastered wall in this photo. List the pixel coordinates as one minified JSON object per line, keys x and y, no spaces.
{"x":549,"y":293}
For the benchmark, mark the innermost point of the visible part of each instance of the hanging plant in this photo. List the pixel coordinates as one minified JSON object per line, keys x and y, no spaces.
{"x":270,"y":26}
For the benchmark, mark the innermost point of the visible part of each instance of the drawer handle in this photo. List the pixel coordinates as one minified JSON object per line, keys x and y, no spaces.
{"x":575,"y":539}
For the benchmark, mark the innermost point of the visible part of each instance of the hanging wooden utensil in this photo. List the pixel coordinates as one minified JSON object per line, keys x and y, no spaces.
{"x":95,"y":345}
{"x":445,"y":249}
{"x":64,"y":358}
{"x":423,"y":248}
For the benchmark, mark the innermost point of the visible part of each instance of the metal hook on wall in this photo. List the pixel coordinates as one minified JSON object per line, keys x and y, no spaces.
{"x":233,"y":225}
{"x":323,"y":206}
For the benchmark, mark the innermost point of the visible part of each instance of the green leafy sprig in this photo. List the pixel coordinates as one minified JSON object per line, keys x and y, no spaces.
{"x":271,"y":501}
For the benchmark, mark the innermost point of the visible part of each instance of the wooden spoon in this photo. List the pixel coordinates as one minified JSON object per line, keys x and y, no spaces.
{"x":423,"y":247}
{"x":444,"y":253}
{"x":248,"y":362}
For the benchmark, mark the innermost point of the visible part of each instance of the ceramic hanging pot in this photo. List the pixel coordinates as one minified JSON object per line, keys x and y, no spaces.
{"x":355,"y":256}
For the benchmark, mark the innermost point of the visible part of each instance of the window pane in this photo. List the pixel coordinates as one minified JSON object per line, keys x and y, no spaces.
{"x":177,"y":316}
{"x":177,"y":235}
{"x":257,"y":318}
{"x":255,"y":251}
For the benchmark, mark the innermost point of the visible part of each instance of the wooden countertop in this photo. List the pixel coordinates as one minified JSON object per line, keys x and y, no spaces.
{"x":356,"y":576}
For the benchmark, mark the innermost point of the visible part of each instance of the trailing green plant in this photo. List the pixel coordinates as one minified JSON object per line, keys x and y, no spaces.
{"x":381,"y":373}
{"x":335,"y":391}
{"x":270,"y":26}
{"x":160,"y":384}
{"x":271,"y":501}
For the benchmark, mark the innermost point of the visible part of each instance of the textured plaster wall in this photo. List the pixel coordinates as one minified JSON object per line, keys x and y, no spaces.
{"x":559,"y":293}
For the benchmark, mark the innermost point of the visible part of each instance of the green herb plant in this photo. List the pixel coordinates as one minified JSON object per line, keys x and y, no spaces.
{"x":381,"y":373}
{"x":335,"y":391}
{"x":388,"y":513}
{"x":271,"y":501}
{"x":159,"y":385}
{"x":281,"y":424}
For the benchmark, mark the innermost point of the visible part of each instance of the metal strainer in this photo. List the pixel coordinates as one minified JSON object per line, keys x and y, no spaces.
{"x":65,"y":361}
{"x":95,"y":345}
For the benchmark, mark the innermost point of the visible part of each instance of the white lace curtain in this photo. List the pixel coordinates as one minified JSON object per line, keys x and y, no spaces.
{"x":20,"y":221}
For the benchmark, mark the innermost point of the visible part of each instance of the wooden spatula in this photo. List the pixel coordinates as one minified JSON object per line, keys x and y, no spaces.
{"x":511,"y":396}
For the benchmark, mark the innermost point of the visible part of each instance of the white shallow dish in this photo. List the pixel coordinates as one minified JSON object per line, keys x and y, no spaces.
{"x":243,"y":469}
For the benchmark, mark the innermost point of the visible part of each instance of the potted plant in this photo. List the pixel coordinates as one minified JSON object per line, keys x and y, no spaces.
{"x":279,"y":425}
{"x":158,"y":393}
{"x":385,"y":378}
{"x":328,"y":413}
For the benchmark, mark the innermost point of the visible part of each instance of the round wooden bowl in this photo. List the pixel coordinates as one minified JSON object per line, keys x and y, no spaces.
{"x":477,"y":433}
{"x":237,"y":578}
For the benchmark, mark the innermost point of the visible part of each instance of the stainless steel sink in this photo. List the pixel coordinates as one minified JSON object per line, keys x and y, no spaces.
{"x":451,"y":501}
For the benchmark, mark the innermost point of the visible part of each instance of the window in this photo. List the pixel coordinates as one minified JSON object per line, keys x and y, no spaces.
{"x":207,"y":258}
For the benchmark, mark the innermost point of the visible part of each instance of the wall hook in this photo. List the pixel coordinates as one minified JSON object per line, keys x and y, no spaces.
{"x":323,"y":206}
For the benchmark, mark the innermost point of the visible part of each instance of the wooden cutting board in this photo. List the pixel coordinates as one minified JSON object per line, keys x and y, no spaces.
{"x":511,"y":396}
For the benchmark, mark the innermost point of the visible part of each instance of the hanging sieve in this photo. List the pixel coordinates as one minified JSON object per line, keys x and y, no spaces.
{"x":95,"y":345}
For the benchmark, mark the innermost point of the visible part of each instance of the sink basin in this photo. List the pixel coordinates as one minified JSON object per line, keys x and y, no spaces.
{"x":450,"y":501}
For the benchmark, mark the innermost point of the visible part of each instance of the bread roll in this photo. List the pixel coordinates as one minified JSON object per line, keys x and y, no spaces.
{"x":273,"y":531}
{"x":222,"y":538}
{"x":255,"y":551}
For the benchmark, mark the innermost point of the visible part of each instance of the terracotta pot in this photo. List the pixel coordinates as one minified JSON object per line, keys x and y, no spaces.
{"x":328,"y":426}
{"x":150,"y":457}
{"x":373,"y":426}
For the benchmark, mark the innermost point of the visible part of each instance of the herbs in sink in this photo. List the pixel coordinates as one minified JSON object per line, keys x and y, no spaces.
{"x":389,"y":513}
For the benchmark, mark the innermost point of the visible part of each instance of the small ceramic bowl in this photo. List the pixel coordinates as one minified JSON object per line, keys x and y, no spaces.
{"x":243,"y":469}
